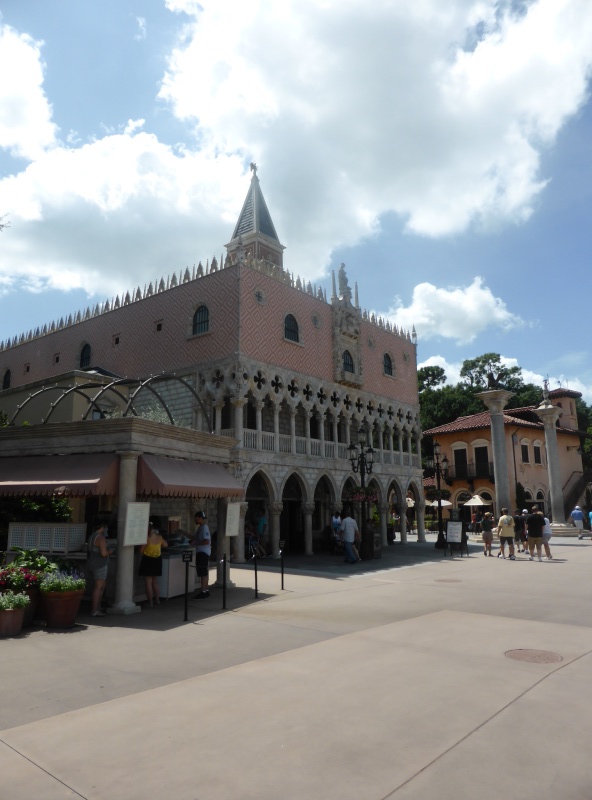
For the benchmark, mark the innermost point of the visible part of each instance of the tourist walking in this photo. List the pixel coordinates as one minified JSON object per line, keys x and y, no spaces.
{"x":535,"y":522}
{"x":577,"y":516}
{"x":547,"y":533}
{"x":350,"y":533}
{"x":487,"y":533}
{"x":520,"y":531}
{"x":505,"y":529}
{"x":203,"y":551}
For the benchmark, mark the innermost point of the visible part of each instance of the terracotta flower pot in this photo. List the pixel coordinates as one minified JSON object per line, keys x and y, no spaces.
{"x":31,"y":609}
{"x":11,"y":621}
{"x":61,"y":608}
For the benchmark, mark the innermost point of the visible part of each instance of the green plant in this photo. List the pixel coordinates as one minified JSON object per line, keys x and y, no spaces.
{"x":12,"y":600}
{"x":33,"y":560}
{"x":62,"y":582}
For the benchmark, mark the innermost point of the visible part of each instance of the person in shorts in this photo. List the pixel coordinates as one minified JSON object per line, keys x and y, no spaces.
{"x":203,"y":551}
{"x":547,"y":533}
{"x":535,"y":522}
{"x":520,"y":531}
{"x":505,"y":529}
{"x":98,"y":565}
{"x":577,"y":516}
{"x":487,"y":533}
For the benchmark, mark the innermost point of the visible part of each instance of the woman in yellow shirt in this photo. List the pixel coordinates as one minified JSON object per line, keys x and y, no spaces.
{"x":151,"y":564}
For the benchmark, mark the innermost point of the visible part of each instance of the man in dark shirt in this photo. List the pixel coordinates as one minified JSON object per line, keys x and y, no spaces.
{"x":535,"y":522}
{"x":520,"y":531}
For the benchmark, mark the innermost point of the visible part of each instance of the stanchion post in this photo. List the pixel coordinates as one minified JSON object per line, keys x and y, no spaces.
{"x":282,"y":543}
{"x":255,"y":565}
{"x":187,"y":558}
{"x":224,"y":581}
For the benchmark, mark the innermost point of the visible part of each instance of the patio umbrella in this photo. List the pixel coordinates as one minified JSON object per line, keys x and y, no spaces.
{"x":476,"y":500}
{"x":410,"y":502}
{"x":443,"y":503}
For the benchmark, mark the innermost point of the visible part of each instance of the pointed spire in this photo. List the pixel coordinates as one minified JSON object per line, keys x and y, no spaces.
{"x":334,"y":286}
{"x":356,"y":301}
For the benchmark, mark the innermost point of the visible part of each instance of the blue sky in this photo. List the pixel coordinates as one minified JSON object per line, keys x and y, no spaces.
{"x":441,"y":151}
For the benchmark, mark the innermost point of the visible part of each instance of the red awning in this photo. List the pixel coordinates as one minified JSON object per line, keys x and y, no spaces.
{"x":69,"y":476}
{"x":172,"y":477}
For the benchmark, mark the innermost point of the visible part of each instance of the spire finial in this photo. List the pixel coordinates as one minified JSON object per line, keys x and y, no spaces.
{"x":253,"y":168}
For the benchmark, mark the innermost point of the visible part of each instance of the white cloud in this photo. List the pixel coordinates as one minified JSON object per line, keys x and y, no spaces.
{"x":141,"y":32}
{"x":382,"y":108}
{"x":461,"y":313}
{"x":26,"y":129}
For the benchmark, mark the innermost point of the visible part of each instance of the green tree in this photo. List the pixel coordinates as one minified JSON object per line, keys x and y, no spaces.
{"x":477,"y":373}
{"x":430,"y":377}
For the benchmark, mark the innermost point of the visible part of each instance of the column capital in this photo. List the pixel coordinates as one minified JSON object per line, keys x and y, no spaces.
{"x":308,"y":508}
{"x":495,"y":399}
{"x":548,"y":413}
{"x":276,"y":508}
{"x":128,"y":453}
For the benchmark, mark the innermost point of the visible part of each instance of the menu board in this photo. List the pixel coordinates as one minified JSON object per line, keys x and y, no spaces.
{"x":454,"y":531}
{"x":137,"y":517}
{"x":232,"y":519}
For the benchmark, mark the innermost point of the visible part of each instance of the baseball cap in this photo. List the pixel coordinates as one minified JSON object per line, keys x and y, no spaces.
{"x":200,"y":514}
{"x":578,"y":508}
{"x":525,"y":511}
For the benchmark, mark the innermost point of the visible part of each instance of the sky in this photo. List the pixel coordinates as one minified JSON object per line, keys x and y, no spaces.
{"x":441,"y":151}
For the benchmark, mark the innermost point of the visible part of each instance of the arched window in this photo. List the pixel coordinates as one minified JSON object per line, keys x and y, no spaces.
{"x":85,"y":357}
{"x":201,"y":320}
{"x":348,"y":362}
{"x":388,"y":364}
{"x":291,"y":328}
{"x":6,"y":380}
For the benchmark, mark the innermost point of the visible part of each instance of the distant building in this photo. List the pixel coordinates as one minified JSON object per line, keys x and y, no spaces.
{"x":466,"y":443}
{"x":287,"y":373}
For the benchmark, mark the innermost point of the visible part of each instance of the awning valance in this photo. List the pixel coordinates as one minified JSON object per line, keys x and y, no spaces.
{"x":172,"y":477}
{"x":67,"y":475}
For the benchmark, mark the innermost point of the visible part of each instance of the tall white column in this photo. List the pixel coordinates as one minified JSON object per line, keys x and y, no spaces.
{"x":238,"y":543}
{"x":276,"y":428}
{"x":258,"y":422}
{"x":549,"y":414}
{"x":222,"y":544}
{"x":239,"y":405}
{"x":495,"y":400}
{"x":275,"y":509}
{"x":308,"y":510}
{"x":124,"y":581}
{"x":420,"y":520}
{"x":335,"y":421}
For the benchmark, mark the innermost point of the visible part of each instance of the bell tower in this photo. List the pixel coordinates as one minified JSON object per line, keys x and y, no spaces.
{"x":254,"y":235}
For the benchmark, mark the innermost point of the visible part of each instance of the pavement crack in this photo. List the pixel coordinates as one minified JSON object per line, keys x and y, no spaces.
{"x":38,"y":766}
{"x":483,"y":724}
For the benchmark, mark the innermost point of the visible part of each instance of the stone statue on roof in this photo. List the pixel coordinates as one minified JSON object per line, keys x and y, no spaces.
{"x":344,"y":290}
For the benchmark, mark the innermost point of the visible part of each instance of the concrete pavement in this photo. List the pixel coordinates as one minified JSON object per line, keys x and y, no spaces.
{"x":379,"y":680}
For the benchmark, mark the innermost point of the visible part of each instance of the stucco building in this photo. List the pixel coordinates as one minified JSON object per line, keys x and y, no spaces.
{"x":466,"y":443}
{"x":286,"y":373}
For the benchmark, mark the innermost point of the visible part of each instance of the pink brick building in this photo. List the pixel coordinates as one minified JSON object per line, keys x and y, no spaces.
{"x":288,"y":372}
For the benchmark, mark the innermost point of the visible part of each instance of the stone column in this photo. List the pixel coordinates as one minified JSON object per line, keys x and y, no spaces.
{"x":222,"y":544}
{"x":420,"y":520}
{"x":308,"y":510}
{"x":383,"y":511}
{"x":239,"y":405}
{"x":381,"y":441}
{"x":307,"y":431}
{"x":276,"y":428}
{"x":238,"y":542}
{"x":258,"y":423}
{"x":334,"y":422}
{"x":549,"y":414}
{"x":275,"y":509}
{"x":322,"y":432}
{"x":348,"y":431}
{"x":495,"y":400}
{"x":391,"y":442}
{"x":218,"y":421}
{"x":293,"y":430}
{"x":400,"y":444}
{"x":124,"y":582}
{"x":403,"y":521}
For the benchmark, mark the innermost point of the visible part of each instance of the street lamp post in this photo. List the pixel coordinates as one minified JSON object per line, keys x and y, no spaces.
{"x":362,"y":458}
{"x":440,"y":467}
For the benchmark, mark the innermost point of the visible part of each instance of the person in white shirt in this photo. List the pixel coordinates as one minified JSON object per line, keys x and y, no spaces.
{"x":350,"y":534}
{"x":547,"y":533}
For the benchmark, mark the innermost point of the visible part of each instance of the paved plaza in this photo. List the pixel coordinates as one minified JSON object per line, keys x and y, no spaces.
{"x":385,"y":679}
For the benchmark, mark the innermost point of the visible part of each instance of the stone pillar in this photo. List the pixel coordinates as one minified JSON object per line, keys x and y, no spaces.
{"x":383,"y":510}
{"x":238,"y":542}
{"x":218,"y":421}
{"x":403,"y":521}
{"x":275,"y":509}
{"x":222,"y":544}
{"x":276,"y":428}
{"x":335,"y":422}
{"x":420,"y":520}
{"x":239,"y":405}
{"x":258,"y":422}
{"x":308,"y":510}
{"x":549,"y":414}
{"x":293,"y":430}
{"x":348,"y":431}
{"x":400,"y":444}
{"x":307,"y":431}
{"x":391,"y":442}
{"x":124,"y":581}
{"x":381,"y":442}
{"x":322,"y":432}
{"x":495,"y":400}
